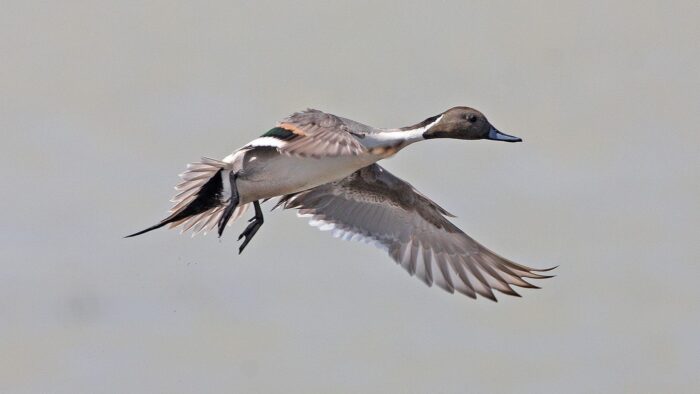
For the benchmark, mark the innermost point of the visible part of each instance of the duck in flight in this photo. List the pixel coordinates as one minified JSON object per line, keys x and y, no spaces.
{"x":325,"y":167}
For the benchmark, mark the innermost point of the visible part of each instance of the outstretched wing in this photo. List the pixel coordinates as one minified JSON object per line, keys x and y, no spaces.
{"x":313,"y":133}
{"x":375,"y":206}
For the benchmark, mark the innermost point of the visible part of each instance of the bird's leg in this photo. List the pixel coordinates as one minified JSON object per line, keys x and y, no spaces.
{"x":256,"y":222}
{"x":232,"y":204}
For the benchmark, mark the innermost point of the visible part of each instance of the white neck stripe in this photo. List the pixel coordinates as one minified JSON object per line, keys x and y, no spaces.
{"x":419,"y":131}
{"x":393,"y":137}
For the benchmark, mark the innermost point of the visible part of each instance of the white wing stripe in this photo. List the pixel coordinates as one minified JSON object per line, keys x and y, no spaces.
{"x":266,"y":141}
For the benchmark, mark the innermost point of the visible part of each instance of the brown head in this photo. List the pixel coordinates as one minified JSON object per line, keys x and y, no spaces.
{"x":465,"y":123}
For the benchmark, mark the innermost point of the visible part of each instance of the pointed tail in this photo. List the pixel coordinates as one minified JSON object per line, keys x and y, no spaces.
{"x":201,"y":199}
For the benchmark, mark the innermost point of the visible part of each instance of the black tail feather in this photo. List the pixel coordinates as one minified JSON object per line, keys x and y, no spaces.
{"x":156,"y":226}
{"x":209,"y":196}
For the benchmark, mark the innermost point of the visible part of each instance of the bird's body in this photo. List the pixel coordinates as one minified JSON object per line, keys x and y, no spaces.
{"x":324,"y":165}
{"x":265,"y":173}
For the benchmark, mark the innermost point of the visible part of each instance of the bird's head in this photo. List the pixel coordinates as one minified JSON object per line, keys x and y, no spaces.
{"x":465,"y":123}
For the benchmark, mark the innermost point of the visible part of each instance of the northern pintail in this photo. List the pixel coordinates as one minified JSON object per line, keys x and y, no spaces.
{"x":325,"y":166}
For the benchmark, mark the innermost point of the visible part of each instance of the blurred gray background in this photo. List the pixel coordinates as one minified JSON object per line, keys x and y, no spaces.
{"x":103,"y":104}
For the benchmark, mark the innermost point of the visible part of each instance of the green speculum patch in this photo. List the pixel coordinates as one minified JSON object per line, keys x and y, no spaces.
{"x":280,"y":134}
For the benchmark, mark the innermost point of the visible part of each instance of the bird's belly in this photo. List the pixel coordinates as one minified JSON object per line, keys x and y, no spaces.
{"x":265,"y":175}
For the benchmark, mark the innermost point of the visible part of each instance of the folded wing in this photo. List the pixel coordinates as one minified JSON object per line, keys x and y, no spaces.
{"x":313,"y":133}
{"x":375,"y":206}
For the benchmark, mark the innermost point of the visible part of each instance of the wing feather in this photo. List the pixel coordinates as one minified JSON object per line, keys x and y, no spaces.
{"x":319,"y":134}
{"x":375,"y":206}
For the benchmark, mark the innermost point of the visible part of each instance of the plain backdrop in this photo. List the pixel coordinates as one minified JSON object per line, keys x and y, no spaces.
{"x":103,"y":103}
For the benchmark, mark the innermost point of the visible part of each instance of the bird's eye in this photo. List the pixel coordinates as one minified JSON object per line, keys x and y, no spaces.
{"x":471,"y":118}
